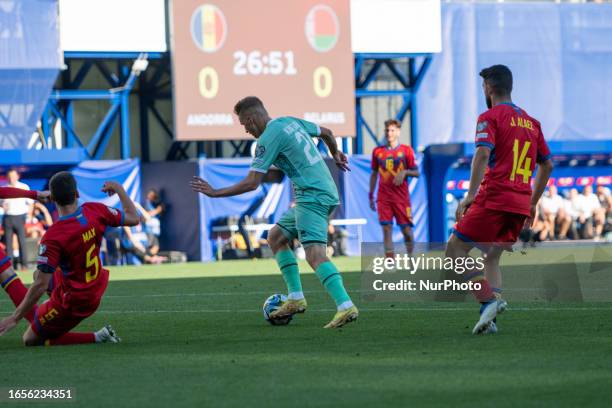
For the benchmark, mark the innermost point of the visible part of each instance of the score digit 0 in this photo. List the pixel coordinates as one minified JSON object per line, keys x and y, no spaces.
{"x":322,"y":82}
{"x":208,"y":80}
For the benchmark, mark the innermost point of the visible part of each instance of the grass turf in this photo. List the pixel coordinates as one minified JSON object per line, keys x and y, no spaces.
{"x":194,"y":335}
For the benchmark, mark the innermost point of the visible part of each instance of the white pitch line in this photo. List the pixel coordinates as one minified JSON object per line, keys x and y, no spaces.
{"x":415,"y":309}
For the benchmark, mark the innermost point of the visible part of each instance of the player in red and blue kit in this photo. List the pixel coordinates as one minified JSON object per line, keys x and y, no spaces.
{"x":69,"y":267}
{"x":393,"y":163}
{"x":9,"y":280}
{"x":500,"y":200}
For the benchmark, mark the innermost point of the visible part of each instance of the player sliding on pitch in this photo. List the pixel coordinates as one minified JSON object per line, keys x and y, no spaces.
{"x":69,"y":267}
{"x":499,"y":201}
{"x":9,"y":280}
{"x":287,"y":143}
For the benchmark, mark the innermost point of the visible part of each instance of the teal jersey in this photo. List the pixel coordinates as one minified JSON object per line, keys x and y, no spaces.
{"x":287,"y":144}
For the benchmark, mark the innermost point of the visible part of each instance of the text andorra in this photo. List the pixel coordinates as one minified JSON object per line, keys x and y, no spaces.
{"x":425,"y":285}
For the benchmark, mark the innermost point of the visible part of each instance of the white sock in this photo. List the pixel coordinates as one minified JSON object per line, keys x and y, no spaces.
{"x":99,"y":335}
{"x":296,"y":296}
{"x":346,"y":305}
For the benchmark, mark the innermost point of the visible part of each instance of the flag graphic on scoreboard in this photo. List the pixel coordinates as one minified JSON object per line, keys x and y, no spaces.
{"x":208,"y":28}
{"x":322,"y":28}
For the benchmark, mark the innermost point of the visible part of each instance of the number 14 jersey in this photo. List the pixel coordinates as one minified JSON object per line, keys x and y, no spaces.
{"x":516,"y":144}
{"x":72,"y":246}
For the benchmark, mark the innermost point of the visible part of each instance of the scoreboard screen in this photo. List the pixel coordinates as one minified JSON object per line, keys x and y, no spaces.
{"x":294,"y":55}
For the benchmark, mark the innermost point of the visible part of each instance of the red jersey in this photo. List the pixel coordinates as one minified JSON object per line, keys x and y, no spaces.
{"x":516,"y":144}
{"x":72,"y":244}
{"x":12,"y":192}
{"x":389,"y":162}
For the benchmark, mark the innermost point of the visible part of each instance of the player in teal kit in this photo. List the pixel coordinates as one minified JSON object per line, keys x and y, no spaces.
{"x":286,"y":143}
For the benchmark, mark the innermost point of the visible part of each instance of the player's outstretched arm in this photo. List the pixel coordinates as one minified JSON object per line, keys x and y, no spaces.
{"x":330,"y":141}
{"x":36,"y":290}
{"x":373,"y":178}
{"x":479,"y":166}
{"x":12,"y":192}
{"x":541,"y":180}
{"x":249,"y":183}
{"x":130,"y":215}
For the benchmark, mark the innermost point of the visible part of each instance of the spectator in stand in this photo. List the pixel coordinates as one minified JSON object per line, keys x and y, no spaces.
{"x":151,"y":229}
{"x":134,"y":241}
{"x":555,"y":214}
{"x":598,"y":214}
{"x":15,"y":212}
{"x":605,"y":199}
{"x":153,"y":210}
{"x":580,"y":219}
{"x":38,"y":221}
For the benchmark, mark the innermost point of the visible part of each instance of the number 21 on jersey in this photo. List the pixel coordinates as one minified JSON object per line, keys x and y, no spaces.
{"x":521,"y":164}
{"x":310,"y":149}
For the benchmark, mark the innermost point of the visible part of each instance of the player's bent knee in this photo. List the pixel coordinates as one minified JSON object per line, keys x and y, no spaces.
{"x":316,"y":255}
{"x":456,"y":247}
{"x":30,"y":339}
{"x":276,"y":239}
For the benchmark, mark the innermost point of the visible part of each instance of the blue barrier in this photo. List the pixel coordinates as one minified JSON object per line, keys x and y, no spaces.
{"x":447,"y":167}
{"x":30,"y":59}
{"x":560,"y":55}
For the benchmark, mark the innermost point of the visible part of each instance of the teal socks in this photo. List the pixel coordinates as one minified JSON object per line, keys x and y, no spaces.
{"x":331,"y":279}
{"x":289,"y":268}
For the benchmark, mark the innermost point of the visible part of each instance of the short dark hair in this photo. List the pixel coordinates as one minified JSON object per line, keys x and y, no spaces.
{"x":250,"y":102}
{"x":63,"y":188}
{"x":499,"y":78}
{"x":393,"y":122}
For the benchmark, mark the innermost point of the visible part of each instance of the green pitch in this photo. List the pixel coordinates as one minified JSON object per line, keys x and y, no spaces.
{"x":194,"y":335}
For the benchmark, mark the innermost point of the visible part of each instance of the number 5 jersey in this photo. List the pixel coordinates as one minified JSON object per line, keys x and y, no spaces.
{"x":70,"y":250}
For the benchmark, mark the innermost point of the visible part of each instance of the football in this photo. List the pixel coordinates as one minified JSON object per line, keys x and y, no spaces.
{"x":270,"y":305}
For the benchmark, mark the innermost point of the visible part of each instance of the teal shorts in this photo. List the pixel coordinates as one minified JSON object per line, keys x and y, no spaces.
{"x":307,"y":222}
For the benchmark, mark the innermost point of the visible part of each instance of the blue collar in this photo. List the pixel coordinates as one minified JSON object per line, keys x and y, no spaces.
{"x":511,"y":104}
{"x":78,"y":212}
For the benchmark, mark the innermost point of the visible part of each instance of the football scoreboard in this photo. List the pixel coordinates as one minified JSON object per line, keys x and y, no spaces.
{"x":294,"y":55}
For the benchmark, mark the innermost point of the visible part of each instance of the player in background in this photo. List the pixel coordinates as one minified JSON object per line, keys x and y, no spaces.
{"x":286,"y":142}
{"x":9,"y":280}
{"x":392,"y":164}
{"x":500,"y":200}
{"x":69,"y":267}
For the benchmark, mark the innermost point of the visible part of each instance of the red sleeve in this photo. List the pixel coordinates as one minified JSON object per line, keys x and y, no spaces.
{"x":410,"y":160}
{"x":49,"y":253}
{"x":374,"y":164}
{"x":543,"y":150}
{"x":485,"y":132}
{"x":12,"y":192}
{"x":110,"y":216}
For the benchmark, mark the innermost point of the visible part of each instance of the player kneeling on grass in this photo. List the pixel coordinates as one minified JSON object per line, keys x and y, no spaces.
{"x":69,"y":268}
{"x":9,"y":280}
{"x":499,"y":201}
{"x":287,"y":143}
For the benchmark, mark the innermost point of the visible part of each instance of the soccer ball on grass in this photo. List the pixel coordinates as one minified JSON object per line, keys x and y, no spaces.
{"x":270,"y":305}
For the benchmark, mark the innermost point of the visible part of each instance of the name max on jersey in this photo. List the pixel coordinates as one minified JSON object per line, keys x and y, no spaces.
{"x":87,"y":235}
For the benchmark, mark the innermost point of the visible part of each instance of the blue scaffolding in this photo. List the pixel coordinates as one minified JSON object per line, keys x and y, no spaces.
{"x":124,"y":75}
{"x":367,"y":69}
{"x":61,"y":103}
